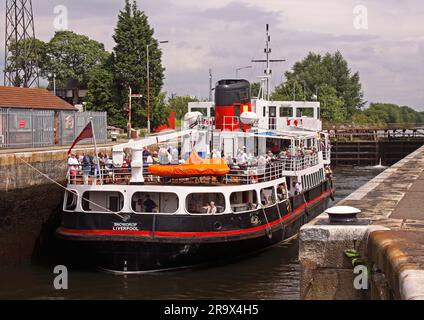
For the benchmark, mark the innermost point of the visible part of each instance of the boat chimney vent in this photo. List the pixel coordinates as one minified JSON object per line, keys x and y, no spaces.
{"x":343,"y":215}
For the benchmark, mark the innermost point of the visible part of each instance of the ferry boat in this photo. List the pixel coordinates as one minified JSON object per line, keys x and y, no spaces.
{"x":244,"y":174}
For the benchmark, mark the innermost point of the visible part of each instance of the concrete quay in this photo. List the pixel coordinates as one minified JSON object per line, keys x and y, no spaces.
{"x":388,"y":238}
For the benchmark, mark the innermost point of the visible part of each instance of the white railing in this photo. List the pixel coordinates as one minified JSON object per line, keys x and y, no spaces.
{"x":326,"y":154}
{"x":243,"y":174}
{"x":103,"y":175}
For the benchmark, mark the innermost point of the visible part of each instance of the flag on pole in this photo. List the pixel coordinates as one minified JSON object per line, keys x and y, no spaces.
{"x":86,"y":133}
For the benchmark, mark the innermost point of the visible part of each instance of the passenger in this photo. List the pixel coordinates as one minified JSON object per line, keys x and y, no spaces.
{"x":216,"y":154}
{"x":269,"y":156}
{"x":86,"y":167}
{"x":149,"y":204}
{"x":213,"y":208}
{"x":281,"y":192}
{"x":229,"y":160}
{"x":298,"y":188}
{"x":73,"y":166}
{"x":174,"y":156}
{"x":242,"y":157}
{"x":79,"y":157}
{"x":275,"y":148}
{"x":146,"y":153}
{"x":207,"y":208}
{"x":164,"y":156}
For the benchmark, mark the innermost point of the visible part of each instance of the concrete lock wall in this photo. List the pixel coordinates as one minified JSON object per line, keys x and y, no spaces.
{"x":30,"y":204}
{"x":388,"y":238}
{"x":326,"y":272}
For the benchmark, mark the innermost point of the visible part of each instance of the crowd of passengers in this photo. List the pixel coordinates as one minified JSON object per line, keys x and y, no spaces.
{"x":85,"y":165}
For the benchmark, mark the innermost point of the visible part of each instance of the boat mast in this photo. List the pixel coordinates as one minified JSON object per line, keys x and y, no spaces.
{"x":268,"y":61}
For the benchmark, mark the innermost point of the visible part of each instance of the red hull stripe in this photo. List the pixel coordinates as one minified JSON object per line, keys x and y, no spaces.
{"x":192,"y":234}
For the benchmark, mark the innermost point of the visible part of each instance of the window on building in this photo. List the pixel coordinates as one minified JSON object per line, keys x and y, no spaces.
{"x":203,"y":203}
{"x":157,"y":202}
{"x":243,"y":201}
{"x":102,"y":201}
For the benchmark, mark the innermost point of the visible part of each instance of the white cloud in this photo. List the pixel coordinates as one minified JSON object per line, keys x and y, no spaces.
{"x":226,"y":34}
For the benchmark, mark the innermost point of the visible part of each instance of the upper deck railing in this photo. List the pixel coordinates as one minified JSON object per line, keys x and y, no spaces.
{"x":239,"y":174}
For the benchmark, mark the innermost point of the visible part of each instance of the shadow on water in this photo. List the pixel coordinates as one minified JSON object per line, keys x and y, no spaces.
{"x":273,"y":274}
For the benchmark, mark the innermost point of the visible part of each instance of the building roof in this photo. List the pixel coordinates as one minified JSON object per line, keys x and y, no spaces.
{"x":31,"y":98}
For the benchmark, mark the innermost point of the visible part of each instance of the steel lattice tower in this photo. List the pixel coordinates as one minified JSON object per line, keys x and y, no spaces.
{"x":19,"y":42}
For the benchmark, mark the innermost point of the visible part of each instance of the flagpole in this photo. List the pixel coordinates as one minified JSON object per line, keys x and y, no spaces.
{"x":96,"y":156}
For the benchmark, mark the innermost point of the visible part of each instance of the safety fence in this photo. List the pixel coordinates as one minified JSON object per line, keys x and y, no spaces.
{"x":27,"y":128}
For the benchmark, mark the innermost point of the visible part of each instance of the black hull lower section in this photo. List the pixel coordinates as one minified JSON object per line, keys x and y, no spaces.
{"x":138,"y":254}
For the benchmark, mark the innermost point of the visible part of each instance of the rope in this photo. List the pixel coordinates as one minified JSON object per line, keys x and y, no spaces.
{"x":269,"y":229}
{"x":66,"y":189}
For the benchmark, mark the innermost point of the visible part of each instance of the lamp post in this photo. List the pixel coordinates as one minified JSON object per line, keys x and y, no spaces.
{"x":148,"y":84}
{"x":242,"y":68}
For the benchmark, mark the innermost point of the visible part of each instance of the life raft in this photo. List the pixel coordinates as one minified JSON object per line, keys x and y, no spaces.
{"x":194,"y":167}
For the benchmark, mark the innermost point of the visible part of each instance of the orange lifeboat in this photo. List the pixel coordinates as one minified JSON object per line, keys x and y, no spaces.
{"x":194,"y":167}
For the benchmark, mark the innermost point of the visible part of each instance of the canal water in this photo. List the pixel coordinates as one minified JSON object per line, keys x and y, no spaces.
{"x":274,"y":274}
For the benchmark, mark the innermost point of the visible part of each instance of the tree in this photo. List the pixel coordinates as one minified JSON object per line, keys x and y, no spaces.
{"x":132,"y":35}
{"x":101,"y":96}
{"x":348,"y":85}
{"x":159,"y":110}
{"x":19,"y":60}
{"x":315,"y":71}
{"x":332,"y":107}
{"x":179,"y":104}
{"x":72,"y":57}
{"x":255,"y":88}
{"x":289,"y":91}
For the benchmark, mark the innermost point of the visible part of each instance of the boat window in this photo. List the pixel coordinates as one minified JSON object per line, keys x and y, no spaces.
{"x":264,"y":111}
{"x":286,"y":112}
{"x":282,"y":192}
{"x":71,"y":200}
{"x":268,"y":196}
{"x":243,"y":201}
{"x":198,"y":203}
{"x":158,"y":202}
{"x":102,"y":201}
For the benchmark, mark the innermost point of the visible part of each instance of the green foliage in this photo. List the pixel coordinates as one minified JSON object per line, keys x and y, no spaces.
{"x":288,"y":91}
{"x":179,"y":104}
{"x":391,"y":113}
{"x":72,"y":57}
{"x":341,"y":94}
{"x":355,"y":257}
{"x":255,"y":87}
{"x":332,"y":107}
{"x":19,"y":60}
{"x":132,"y":36}
{"x":102,"y":94}
{"x":159,"y":110}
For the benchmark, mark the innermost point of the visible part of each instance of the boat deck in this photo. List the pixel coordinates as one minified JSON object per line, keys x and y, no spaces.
{"x":239,"y":175}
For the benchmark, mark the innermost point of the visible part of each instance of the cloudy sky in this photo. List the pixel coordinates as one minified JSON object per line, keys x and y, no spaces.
{"x":224,"y":35}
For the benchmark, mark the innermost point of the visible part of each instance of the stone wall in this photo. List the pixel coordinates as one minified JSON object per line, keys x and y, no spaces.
{"x":30,"y":204}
